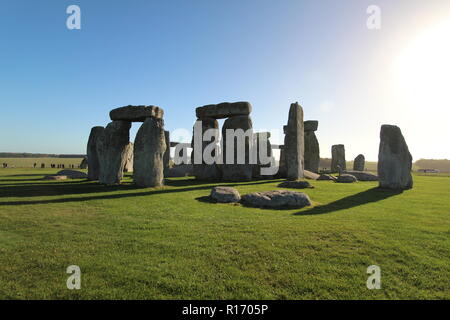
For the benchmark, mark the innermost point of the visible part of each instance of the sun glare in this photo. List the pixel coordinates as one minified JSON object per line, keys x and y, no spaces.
{"x":422,"y":72}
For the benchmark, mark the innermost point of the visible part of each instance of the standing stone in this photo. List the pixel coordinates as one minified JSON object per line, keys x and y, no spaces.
{"x":128,"y":167}
{"x":203,"y":171}
{"x":149,"y":148}
{"x":338,"y":163}
{"x":258,"y":136}
{"x":282,"y":164}
{"x":394,"y":160}
{"x":235,"y":171}
{"x":359,"y":163}
{"x":84,"y":163}
{"x":294,"y":143}
{"x":92,"y":154}
{"x":166,"y":157}
{"x":312,"y":151}
{"x":112,"y":150}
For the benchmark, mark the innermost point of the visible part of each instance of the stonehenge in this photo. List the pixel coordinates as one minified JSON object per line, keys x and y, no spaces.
{"x":237,"y":156}
{"x":294,"y":143}
{"x":338,"y":158}
{"x":359,"y":163}
{"x":394,"y":160}
{"x":312,"y":151}
{"x":112,"y":151}
{"x":149,"y":149}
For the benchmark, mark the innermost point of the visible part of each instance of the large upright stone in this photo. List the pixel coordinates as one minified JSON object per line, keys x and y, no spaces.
{"x":294,"y":147}
{"x":394,"y":159}
{"x":136,"y":113}
{"x":338,"y":158}
{"x":203,"y":171}
{"x":92,"y":154}
{"x":128,"y":167}
{"x":235,"y":171}
{"x":359,"y":163}
{"x":312,"y":150}
{"x":149,"y":148}
{"x":166,"y":157}
{"x":224,"y":110}
{"x":112,"y":150}
{"x":263,"y":139}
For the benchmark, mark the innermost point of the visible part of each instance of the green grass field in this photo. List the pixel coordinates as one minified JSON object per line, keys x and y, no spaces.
{"x":171,"y":243}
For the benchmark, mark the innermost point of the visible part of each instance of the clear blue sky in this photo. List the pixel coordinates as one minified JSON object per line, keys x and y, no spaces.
{"x":55,"y":83}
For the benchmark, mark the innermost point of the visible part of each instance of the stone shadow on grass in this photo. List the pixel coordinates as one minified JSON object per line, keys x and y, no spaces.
{"x":361,"y":198}
{"x":73,"y":188}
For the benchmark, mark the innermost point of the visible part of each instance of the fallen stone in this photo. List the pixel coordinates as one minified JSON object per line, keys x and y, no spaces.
{"x":363,"y":176}
{"x":55,"y":177}
{"x":224,"y":110}
{"x":225,"y":194}
{"x":326,"y":177}
{"x":295,"y":184}
{"x":310,"y":175}
{"x":394,"y":160}
{"x":277,"y":199}
{"x":136,"y":113}
{"x":72,"y":174}
{"x":346,"y":178}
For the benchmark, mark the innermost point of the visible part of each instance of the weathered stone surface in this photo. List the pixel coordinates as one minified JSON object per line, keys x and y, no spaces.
{"x":326,"y":177}
{"x":282,"y":164}
{"x":258,"y":139}
{"x":363,"y":176}
{"x":55,"y":177}
{"x":111,"y":149}
{"x":149,"y":148}
{"x":338,"y":158}
{"x":136,"y":113}
{"x":237,"y":172}
{"x":277,"y":199}
{"x":359,"y":163}
{"x":84,"y":163}
{"x":394,"y":160}
{"x":72,"y":174}
{"x":128,"y":167}
{"x":312,"y":151}
{"x":92,"y":153}
{"x":310,"y":175}
{"x":224,"y":110}
{"x":225,"y":194}
{"x":166,"y":157}
{"x":294,"y":143}
{"x":346,"y":178}
{"x":295,"y":184}
{"x":311,"y":125}
{"x":203,"y":171}
{"x":182,"y":170}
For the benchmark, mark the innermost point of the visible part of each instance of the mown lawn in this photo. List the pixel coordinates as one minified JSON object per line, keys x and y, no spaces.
{"x":171,"y":243}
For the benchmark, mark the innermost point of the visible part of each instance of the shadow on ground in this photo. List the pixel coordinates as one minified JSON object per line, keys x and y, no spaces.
{"x":364,"y":197}
{"x":83,"y":187}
